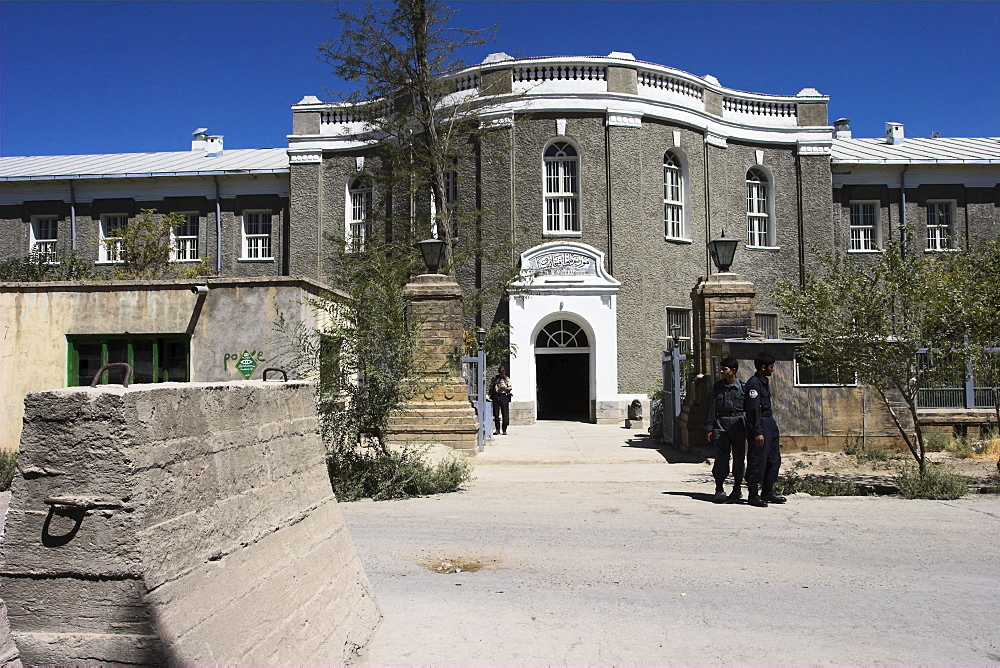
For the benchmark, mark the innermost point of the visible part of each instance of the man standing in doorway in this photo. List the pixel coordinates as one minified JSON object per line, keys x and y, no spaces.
{"x":725,"y":425}
{"x":763,"y":448}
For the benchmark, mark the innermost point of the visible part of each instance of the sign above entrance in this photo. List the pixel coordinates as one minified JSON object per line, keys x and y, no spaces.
{"x":565,"y":263}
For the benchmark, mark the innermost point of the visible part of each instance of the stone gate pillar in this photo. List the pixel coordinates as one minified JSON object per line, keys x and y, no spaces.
{"x":442,"y":413}
{"x":724,"y":306}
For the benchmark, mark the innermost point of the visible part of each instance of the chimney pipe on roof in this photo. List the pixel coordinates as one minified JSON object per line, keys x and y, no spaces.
{"x":842,"y":128}
{"x":202,"y":141}
{"x":893,"y":133}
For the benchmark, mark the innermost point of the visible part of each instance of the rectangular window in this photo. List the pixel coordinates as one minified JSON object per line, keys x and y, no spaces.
{"x":257,"y":235}
{"x":673,"y":200}
{"x":186,"y":238}
{"x":561,"y":212}
{"x":864,"y":226}
{"x":359,"y":229}
{"x":679,"y":324}
{"x":44,"y":234}
{"x":153,"y":358}
{"x":757,"y":217}
{"x":766,"y":323}
{"x":112,"y":230}
{"x":807,"y":374}
{"x":940,"y":216}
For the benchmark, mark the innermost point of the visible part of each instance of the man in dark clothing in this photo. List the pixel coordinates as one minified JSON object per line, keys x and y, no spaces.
{"x":725,"y":425}
{"x":763,"y":449}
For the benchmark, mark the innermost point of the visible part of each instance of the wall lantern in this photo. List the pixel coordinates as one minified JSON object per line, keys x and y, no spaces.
{"x":722,"y":250}
{"x":481,"y":337}
{"x":432,"y":251}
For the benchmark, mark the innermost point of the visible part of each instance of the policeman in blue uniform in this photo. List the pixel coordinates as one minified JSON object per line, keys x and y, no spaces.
{"x":725,"y":426}
{"x":763,"y":449}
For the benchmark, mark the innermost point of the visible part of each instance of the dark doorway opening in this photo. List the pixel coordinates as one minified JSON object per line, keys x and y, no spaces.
{"x":563,"y":382}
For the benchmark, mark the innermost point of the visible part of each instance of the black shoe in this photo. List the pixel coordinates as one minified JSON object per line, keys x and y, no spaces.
{"x":735,"y":496}
{"x":757,"y":502}
{"x":720,"y":497}
{"x":505,"y":432}
{"x":771,"y":497}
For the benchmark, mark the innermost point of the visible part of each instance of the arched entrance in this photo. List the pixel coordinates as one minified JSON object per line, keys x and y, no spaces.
{"x":562,"y":372}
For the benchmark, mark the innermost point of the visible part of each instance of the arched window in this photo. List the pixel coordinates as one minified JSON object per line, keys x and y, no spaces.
{"x":358,"y":215}
{"x":562,"y":189}
{"x":673,"y":197}
{"x":760,"y":230}
{"x":562,"y":334}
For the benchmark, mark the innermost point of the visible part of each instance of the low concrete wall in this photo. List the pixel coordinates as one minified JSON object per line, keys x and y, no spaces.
{"x":219,"y":540}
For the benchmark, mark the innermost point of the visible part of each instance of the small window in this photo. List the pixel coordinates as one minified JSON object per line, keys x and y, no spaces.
{"x":673,"y":197}
{"x":153,"y":358}
{"x":679,"y":324}
{"x":185,"y":237}
{"x":562,"y":334}
{"x":257,"y":235}
{"x":112,"y":230}
{"x":767,"y":323}
{"x":562,"y":190}
{"x":359,"y":214}
{"x":759,"y":228}
{"x":451,"y":198}
{"x":44,"y":237}
{"x":940,"y":217}
{"x":807,"y":374}
{"x":865,"y":229}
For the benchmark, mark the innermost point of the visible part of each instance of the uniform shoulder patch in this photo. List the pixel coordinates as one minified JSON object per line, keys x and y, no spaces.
{"x":753,"y":394}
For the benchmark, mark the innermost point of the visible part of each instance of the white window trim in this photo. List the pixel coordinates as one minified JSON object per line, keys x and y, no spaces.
{"x":682,"y":172}
{"x":876,"y":227}
{"x":768,"y":217}
{"x":953,"y":214}
{"x":687,"y":329}
{"x":174,"y":239}
{"x":102,"y":253}
{"x":350,"y":222}
{"x":245,"y":238}
{"x":51,"y":244}
{"x":560,"y":196}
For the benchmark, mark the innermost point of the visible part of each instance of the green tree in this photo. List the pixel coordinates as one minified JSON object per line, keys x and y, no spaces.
{"x":145,"y":247}
{"x":399,"y":56}
{"x":902,"y":321}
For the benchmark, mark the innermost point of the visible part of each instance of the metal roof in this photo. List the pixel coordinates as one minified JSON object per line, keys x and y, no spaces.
{"x":937,"y":150}
{"x":125,"y":165}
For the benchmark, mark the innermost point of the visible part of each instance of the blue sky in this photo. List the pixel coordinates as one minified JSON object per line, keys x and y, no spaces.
{"x":110,"y":77}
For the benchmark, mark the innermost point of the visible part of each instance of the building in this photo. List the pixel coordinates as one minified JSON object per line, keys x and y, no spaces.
{"x":607,"y":173}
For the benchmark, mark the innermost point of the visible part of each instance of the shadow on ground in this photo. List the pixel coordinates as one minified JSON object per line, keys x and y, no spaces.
{"x":669,"y":452}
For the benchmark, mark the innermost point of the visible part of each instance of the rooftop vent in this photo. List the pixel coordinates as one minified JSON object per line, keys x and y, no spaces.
{"x":842,"y":128}
{"x":210,"y":144}
{"x":893,"y":133}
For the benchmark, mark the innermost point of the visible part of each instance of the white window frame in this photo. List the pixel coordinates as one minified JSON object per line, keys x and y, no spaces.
{"x":45,"y":246}
{"x":940,"y":236}
{"x":561,"y":190}
{"x":110,"y":249}
{"x":865,"y":227}
{"x":674,"y":198}
{"x":257,"y":246}
{"x":766,"y":323}
{"x":760,"y":207}
{"x":357,"y":215}
{"x":185,"y":248}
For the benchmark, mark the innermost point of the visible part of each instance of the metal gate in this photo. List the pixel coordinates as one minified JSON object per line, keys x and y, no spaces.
{"x":673,"y":392}
{"x":474,"y":372}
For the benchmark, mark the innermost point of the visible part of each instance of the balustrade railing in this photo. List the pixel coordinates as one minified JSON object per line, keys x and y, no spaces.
{"x":670,"y":84}
{"x":741,"y":105}
{"x":560,"y":73}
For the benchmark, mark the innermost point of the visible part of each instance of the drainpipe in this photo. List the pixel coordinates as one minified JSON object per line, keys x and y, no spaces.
{"x":72,"y":215}
{"x":607,"y":196}
{"x":218,"y":228}
{"x":708,"y":210}
{"x":902,"y":210}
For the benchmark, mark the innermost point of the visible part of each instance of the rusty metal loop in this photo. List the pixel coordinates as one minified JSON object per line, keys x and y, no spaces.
{"x":128,"y":373}
{"x":284,"y":374}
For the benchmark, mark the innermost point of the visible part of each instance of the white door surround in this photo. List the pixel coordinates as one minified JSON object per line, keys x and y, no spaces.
{"x":566,"y":280}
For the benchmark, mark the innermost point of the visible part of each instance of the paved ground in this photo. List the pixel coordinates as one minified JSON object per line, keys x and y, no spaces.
{"x":593,"y":549}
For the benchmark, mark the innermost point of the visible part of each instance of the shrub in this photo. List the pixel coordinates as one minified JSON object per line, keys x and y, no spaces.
{"x":382,"y":473}
{"x":936,"y":441}
{"x":790,"y":484}
{"x":868,"y":452}
{"x":936,"y":481}
{"x":962,"y":448}
{"x":8,"y":467}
